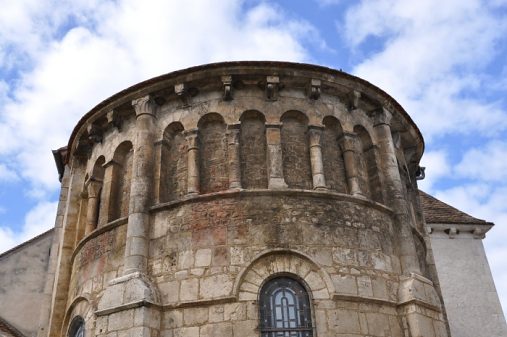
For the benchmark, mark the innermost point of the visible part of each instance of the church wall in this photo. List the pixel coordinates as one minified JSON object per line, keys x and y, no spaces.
{"x":209,"y":196}
{"x":471,"y":300}
{"x":23,"y":273}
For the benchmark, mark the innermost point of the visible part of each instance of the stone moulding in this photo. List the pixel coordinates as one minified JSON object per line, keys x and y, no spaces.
{"x":101,"y":230}
{"x":325,"y":194}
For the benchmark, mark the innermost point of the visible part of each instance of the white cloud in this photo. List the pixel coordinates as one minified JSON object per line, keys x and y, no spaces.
{"x":437,"y":166}
{"x":431,"y":59}
{"x":7,"y":174}
{"x":488,"y":163}
{"x":38,"y":220}
{"x":115,"y":44}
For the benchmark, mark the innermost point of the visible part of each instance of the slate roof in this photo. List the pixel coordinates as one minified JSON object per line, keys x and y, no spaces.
{"x":436,"y":211}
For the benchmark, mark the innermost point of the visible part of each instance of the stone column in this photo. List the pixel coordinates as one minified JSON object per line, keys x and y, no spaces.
{"x":319,"y":180}
{"x":275,"y":164}
{"x":136,"y":249}
{"x":233,"y":155}
{"x":394,"y":190}
{"x":347,"y":144}
{"x":94,"y":188}
{"x":193,"y":162}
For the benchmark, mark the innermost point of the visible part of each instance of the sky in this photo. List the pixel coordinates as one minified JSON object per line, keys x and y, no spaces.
{"x":443,"y":61}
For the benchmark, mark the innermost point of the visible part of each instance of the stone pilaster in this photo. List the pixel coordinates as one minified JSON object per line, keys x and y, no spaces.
{"x":233,"y":154}
{"x":193,"y":162}
{"x":394,"y":188}
{"x":347,"y":144}
{"x":416,"y":293}
{"x":136,"y":250}
{"x":93,"y":191}
{"x":275,"y":167}
{"x":318,"y":178}
{"x":134,"y":294}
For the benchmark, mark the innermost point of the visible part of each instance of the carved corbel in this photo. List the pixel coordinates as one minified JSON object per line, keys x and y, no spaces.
{"x":354,"y":97}
{"x":83,"y":149}
{"x":114,"y":119}
{"x":94,"y":133}
{"x":380,"y":116}
{"x":227,"y":84}
{"x":272,"y":87}
{"x":314,"y":89}
{"x":185,"y":93}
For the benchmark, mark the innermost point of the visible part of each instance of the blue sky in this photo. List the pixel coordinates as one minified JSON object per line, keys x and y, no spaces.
{"x":444,"y":61}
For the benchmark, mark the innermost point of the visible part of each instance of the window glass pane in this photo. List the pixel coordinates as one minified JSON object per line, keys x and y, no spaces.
{"x":285,"y":309}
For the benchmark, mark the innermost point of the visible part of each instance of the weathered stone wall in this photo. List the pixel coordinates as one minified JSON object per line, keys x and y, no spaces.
{"x":98,"y":260}
{"x":295,"y":153}
{"x":253,"y":151}
{"x":213,"y":154}
{"x":216,"y":185}
{"x":23,"y":273}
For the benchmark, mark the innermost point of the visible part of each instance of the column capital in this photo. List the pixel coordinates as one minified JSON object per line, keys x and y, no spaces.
{"x":144,"y":106}
{"x":314,"y":134}
{"x":93,"y":187}
{"x":381,"y":116}
{"x":347,"y":142}
{"x":192,"y":137}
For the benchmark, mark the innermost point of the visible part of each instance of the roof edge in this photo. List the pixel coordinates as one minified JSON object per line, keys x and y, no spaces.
{"x":281,"y":64}
{"x":21,"y":245}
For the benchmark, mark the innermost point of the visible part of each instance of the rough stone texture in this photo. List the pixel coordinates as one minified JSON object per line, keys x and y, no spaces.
{"x":213,"y":155}
{"x":173,"y":180}
{"x":334,"y":167}
{"x":253,"y":151}
{"x":295,"y":152}
{"x":323,"y":199}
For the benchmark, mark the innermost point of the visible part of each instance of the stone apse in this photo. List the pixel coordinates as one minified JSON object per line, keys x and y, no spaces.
{"x":244,"y":199}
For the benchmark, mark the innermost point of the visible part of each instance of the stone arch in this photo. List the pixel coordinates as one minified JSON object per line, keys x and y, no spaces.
{"x":253,"y":150}
{"x":283,"y":262}
{"x":369,"y":177}
{"x":212,"y":153}
{"x":79,"y":307}
{"x":295,"y":150}
{"x":332,"y":156}
{"x":173,"y":175}
{"x":121,"y":179}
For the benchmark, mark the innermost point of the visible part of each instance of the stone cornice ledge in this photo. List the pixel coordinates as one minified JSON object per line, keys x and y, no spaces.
{"x":145,"y":303}
{"x":269,"y":192}
{"x":106,"y":228}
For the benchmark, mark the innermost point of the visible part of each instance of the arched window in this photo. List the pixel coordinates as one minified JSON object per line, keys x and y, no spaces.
{"x":285,"y":309}
{"x":77,"y":327}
